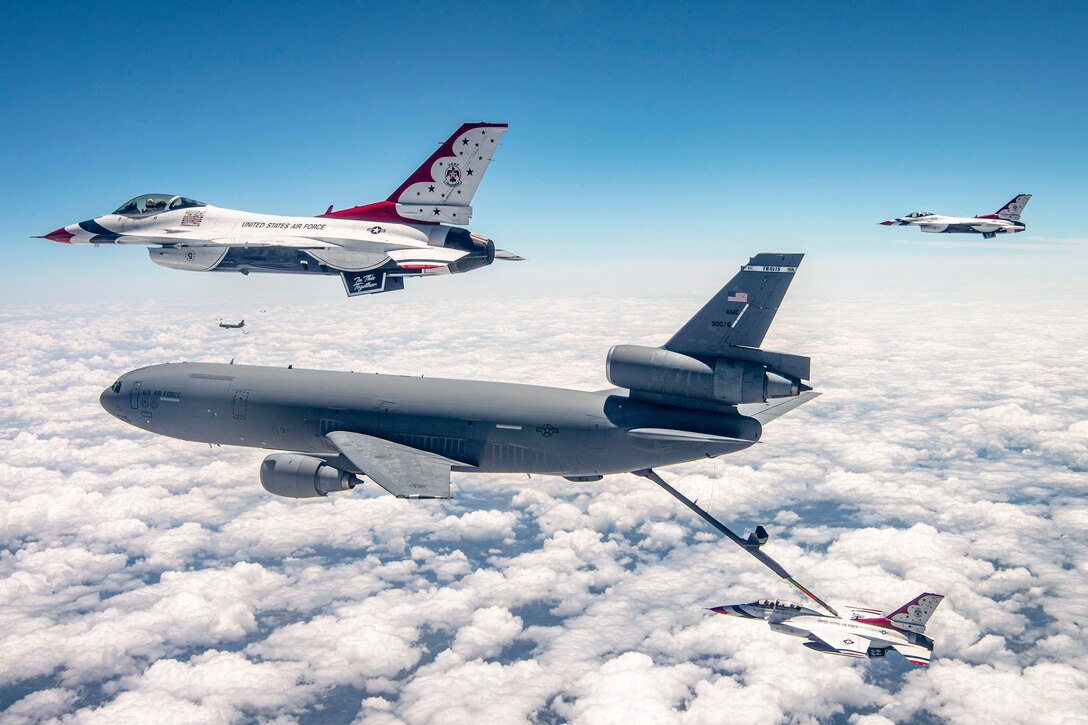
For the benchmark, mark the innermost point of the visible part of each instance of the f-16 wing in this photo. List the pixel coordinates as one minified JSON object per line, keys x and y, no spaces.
{"x":843,"y":643}
{"x":403,"y":471}
{"x":292,"y":242}
{"x":184,"y":238}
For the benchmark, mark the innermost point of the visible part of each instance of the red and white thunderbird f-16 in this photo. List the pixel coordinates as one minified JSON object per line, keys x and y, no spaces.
{"x":861,"y":633}
{"x":372,"y":247}
{"x":1005,"y":220}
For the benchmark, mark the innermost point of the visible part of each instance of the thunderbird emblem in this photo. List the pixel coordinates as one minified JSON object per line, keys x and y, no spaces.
{"x":453,"y":175}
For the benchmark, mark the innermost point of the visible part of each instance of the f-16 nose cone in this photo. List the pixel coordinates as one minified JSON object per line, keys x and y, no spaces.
{"x":888,"y":222}
{"x":61,"y":235}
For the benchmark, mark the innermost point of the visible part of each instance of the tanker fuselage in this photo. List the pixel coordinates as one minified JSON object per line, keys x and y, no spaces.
{"x":486,"y":426}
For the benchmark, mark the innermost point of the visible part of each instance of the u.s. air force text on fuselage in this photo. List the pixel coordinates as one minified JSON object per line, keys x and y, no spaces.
{"x":417,"y":231}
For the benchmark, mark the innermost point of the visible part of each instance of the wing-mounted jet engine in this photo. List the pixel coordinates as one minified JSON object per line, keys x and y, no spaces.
{"x":706,"y":392}
{"x":294,"y":475}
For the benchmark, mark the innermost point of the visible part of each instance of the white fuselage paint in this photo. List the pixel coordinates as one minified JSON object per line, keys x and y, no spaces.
{"x":231,"y":227}
{"x":936,"y":224}
{"x":803,"y":626}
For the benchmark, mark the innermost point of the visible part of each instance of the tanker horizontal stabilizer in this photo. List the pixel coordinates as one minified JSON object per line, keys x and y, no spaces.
{"x":766,"y":412}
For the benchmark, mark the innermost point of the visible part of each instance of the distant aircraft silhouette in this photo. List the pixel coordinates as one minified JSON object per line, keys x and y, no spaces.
{"x":234,"y":326}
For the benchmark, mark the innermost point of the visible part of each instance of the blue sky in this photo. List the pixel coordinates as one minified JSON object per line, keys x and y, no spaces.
{"x":651,"y":150}
{"x":643,"y":131}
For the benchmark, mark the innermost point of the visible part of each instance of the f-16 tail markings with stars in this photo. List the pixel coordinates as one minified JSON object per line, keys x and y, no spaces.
{"x":373,"y":247}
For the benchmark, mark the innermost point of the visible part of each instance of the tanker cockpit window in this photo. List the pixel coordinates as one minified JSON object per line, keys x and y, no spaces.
{"x":116,"y":387}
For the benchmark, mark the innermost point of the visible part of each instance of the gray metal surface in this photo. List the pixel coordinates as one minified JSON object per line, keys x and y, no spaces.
{"x":408,"y":433}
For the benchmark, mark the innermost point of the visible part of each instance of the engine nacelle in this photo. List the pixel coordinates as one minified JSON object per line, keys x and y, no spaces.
{"x":720,"y":380}
{"x":193,"y":259}
{"x":294,"y":475}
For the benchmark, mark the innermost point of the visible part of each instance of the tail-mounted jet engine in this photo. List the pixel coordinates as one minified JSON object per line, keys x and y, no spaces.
{"x":716,"y":379}
{"x":297,"y":476}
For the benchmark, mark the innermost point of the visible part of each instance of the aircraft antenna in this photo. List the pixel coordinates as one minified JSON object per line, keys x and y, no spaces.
{"x":752,"y":544}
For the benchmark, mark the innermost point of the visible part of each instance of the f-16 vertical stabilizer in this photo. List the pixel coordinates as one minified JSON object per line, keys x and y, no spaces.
{"x":914,"y":614}
{"x":450,"y":177}
{"x":1014,"y":208}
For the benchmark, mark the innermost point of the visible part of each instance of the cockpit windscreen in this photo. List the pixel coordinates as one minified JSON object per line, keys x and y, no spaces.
{"x":155,"y":204}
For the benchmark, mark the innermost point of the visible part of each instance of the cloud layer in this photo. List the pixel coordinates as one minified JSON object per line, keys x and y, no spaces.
{"x":145,"y":578}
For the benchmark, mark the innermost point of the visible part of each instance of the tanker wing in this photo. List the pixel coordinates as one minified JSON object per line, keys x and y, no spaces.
{"x":403,"y":471}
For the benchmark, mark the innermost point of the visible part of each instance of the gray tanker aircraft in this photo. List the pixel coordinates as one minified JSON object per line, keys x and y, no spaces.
{"x":706,"y":392}
{"x":373,"y":247}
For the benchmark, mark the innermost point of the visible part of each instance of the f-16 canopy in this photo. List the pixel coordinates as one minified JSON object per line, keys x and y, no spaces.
{"x":148,"y":204}
{"x":919,"y":214}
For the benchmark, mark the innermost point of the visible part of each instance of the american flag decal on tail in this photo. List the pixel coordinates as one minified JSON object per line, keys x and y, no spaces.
{"x":737,"y":297}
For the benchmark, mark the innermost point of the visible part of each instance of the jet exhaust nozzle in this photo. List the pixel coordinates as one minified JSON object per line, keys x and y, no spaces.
{"x":758,"y":537}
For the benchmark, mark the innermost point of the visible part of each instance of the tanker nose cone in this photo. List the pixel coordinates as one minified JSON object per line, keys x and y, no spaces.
{"x":110,"y":399}
{"x":61,"y":235}
{"x":106,"y":400}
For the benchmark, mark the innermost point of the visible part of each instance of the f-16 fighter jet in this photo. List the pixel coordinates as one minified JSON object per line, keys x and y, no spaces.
{"x":706,"y":392}
{"x":371,"y":247}
{"x":1005,"y":220}
{"x":860,"y":633}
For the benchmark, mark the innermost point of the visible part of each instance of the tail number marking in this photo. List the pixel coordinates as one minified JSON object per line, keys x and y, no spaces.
{"x":756,"y":268}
